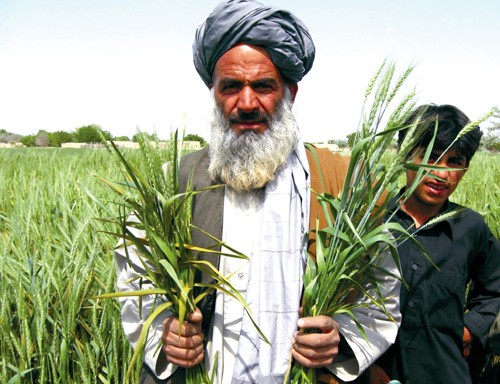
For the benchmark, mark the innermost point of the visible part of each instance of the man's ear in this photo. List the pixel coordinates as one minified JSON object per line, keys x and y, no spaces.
{"x":293,"y":90}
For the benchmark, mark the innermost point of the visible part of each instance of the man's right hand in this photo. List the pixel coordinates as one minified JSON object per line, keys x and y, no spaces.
{"x":184,"y":349}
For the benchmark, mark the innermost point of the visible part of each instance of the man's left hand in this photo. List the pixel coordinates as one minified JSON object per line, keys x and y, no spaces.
{"x":316,"y":350}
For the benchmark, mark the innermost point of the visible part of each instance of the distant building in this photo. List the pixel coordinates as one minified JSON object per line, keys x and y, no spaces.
{"x":11,"y":145}
{"x":186,"y":145}
{"x":331,"y":147}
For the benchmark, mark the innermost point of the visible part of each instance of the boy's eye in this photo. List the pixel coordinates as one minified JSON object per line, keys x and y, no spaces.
{"x":433,"y":158}
{"x":456,"y":162}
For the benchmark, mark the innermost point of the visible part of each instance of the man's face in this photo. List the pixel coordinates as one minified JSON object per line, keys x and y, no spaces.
{"x":248,"y":88}
{"x":248,"y":160}
{"x":433,"y":193}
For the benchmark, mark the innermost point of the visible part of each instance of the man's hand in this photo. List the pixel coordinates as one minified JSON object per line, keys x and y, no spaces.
{"x":185,"y":350}
{"x":377,"y":375}
{"x":316,"y":350}
{"x":467,"y":342}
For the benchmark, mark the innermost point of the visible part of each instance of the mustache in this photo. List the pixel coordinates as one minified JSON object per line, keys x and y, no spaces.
{"x":250,"y":117}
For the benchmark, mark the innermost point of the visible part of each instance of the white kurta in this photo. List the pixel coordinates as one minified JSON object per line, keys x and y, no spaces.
{"x":240,"y":227}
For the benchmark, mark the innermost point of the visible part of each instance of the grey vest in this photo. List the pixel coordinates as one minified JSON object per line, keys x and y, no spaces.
{"x":207,"y":211}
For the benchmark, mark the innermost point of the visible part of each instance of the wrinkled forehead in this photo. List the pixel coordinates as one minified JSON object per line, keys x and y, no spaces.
{"x":246,"y":59}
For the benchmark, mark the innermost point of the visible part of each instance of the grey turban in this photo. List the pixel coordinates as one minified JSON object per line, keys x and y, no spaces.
{"x":285,"y":38}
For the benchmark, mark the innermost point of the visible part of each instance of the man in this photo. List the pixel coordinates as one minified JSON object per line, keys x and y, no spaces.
{"x":436,"y":334}
{"x":251,"y":57}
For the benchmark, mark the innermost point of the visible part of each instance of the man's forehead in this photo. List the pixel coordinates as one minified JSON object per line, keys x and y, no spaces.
{"x":245,"y":60}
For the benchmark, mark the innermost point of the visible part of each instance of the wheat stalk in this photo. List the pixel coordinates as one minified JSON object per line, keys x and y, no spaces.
{"x":159,"y":231}
{"x":350,"y":249}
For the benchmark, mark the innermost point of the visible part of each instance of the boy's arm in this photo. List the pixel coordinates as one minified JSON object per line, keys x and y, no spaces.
{"x":483,"y":303}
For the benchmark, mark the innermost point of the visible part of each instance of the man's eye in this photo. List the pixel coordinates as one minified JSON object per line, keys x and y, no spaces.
{"x":263,"y":87}
{"x":229,"y":89}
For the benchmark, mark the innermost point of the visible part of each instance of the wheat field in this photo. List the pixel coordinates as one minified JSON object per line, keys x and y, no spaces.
{"x":55,"y":259}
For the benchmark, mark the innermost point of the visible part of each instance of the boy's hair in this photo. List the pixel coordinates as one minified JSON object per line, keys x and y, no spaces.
{"x":451,"y":121}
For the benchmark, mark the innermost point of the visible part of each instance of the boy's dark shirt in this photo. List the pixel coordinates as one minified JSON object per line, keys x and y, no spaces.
{"x":429,"y":344}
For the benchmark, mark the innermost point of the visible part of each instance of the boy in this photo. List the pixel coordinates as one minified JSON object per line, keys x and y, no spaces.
{"x":439,"y":323}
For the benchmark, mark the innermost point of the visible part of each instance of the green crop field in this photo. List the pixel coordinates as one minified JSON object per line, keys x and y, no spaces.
{"x":55,"y":260}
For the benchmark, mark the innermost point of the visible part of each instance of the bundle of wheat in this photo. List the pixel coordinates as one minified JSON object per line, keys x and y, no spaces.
{"x":155,"y":223}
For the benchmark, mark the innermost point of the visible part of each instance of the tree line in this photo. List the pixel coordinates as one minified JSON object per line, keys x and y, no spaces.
{"x":93,"y":133}
{"x":89,"y":134}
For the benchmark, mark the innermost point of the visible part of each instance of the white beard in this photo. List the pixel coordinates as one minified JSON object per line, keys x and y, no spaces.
{"x":249,"y":160}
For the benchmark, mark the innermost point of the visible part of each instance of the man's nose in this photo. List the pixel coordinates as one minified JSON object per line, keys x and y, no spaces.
{"x":247,"y":100}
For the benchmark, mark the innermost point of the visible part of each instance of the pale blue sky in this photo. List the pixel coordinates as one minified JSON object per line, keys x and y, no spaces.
{"x":125,"y":64}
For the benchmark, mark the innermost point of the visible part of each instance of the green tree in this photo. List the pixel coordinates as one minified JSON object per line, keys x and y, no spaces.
{"x":339,"y":142}
{"x":28,"y":140}
{"x":91,"y":134}
{"x":491,"y":140}
{"x":121,"y":138}
{"x":147,"y":136}
{"x":350,"y":139}
{"x":194,"y":137}
{"x":59,"y":137}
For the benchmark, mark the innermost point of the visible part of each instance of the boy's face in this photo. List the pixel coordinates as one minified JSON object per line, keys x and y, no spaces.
{"x":433,"y":193}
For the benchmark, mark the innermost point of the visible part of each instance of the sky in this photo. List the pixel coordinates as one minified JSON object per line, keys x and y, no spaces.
{"x":126,"y":65}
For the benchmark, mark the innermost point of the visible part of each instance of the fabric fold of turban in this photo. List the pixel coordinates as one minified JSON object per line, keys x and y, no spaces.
{"x":285,"y":38}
